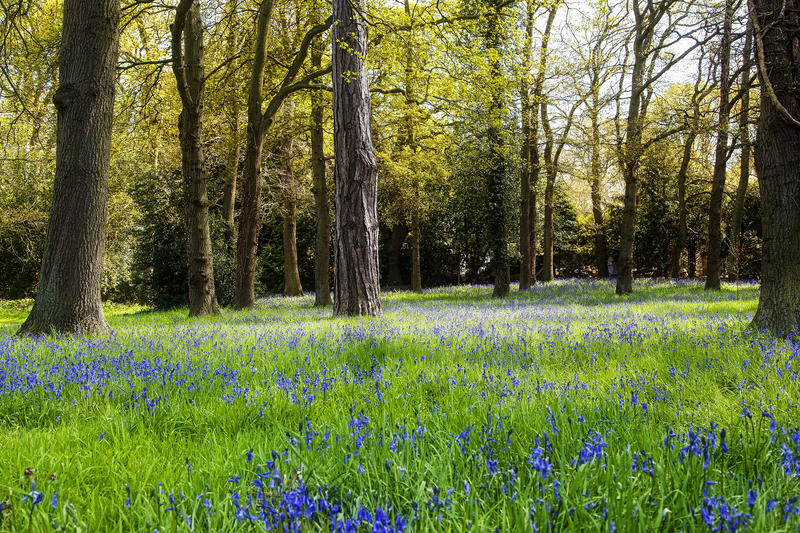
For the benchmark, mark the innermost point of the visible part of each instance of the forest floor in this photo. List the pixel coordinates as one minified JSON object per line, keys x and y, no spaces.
{"x":565,"y":408}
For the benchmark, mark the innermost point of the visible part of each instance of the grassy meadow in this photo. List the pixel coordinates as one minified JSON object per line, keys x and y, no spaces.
{"x":566,"y":408}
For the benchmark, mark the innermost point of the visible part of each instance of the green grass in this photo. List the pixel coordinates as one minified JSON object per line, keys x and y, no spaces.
{"x":568,"y":362}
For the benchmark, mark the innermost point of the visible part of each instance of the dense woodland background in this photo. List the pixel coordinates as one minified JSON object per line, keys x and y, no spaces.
{"x":450,"y":83}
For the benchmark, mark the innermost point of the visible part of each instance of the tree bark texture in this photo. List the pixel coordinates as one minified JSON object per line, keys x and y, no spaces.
{"x":187,"y":64}
{"x":322,"y":261}
{"x":68,"y":294}
{"x":357,"y":287}
{"x":777,"y":163}
{"x":714,"y":263}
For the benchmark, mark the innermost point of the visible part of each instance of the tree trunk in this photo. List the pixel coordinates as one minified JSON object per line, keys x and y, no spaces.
{"x":720,"y":157}
{"x":526,"y":269}
{"x":600,"y":240}
{"x":497,"y":164}
{"x":777,"y":164}
{"x":691,"y":261}
{"x":682,"y":229}
{"x":630,"y":163}
{"x":250,"y":216}
{"x":232,"y":170}
{"x":548,"y":273}
{"x":396,"y":240}
{"x":291,"y":273}
{"x":322,"y":260}
{"x":190,"y":76}
{"x":416,"y":275}
{"x":68,"y":295}
{"x":357,"y":287}
{"x":744,"y":160}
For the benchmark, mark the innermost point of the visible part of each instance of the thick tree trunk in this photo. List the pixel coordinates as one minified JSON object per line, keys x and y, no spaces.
{"x":526,"y":273}
{"x":357,"y":287}
{"x":496,"y":172}
{"x":190,"y":76}
{"x":68,"y":295}
{"x":777,"y":164}
{"x":322,"y":260}
{"x":291,"y":273}
{"x":744,"y":159}
{"x":714,"y":262}
{"x":682,"y":229}
{"x":548,"y":273}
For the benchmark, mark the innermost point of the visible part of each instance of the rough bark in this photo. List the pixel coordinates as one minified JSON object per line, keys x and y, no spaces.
{"x":744,"y":159}
{"x":187,"y":65}
{"x":357,"y":287}
{"x":322,"y":260}
{"x":496,"y":164}
{"x":714,"y":262}
{"x":526,"y":270}
{"x":68,"y":295}
{"x":291,"y":272}
{"x":777,"y":163}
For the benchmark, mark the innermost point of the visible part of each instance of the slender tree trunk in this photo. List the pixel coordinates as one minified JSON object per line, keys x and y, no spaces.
{"x":322,"y":260}
{"x":416,"y":275}
{"x":721,"y":157}
{"x":548,"y":273}
{"x":691,"y":263}
{"x":777,"y":164}
{"x":190,"y":76}
{"x":396,"y":240}
{"x":250,"y":216}
{"x":630,"y":169}
{"x":291,"y":273}
{"x":526,"y":273}
{"x":357,"y":288}
{"x":232,"y":170}
{"x":744,"y":160}
{"x":600,"y":240}
{"x":682,"y":229}
{"x":497,"y":165}
{"x":68,"y":295}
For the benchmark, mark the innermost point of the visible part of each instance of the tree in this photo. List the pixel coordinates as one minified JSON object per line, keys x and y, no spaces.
{"x":744,"y":140}
{"x":777,"y":37}
{"x":189,"y":70}
{"x":258,"y":124}
{"x":713,"y":264}
{"x":68,"y":295}
{"x":496,"y":164}
{"x":357,"y":287}
{"x":649,"y":43}
{"x":527,"y":265}
{"x":322,"y":287}
{"x":291,"y":274}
